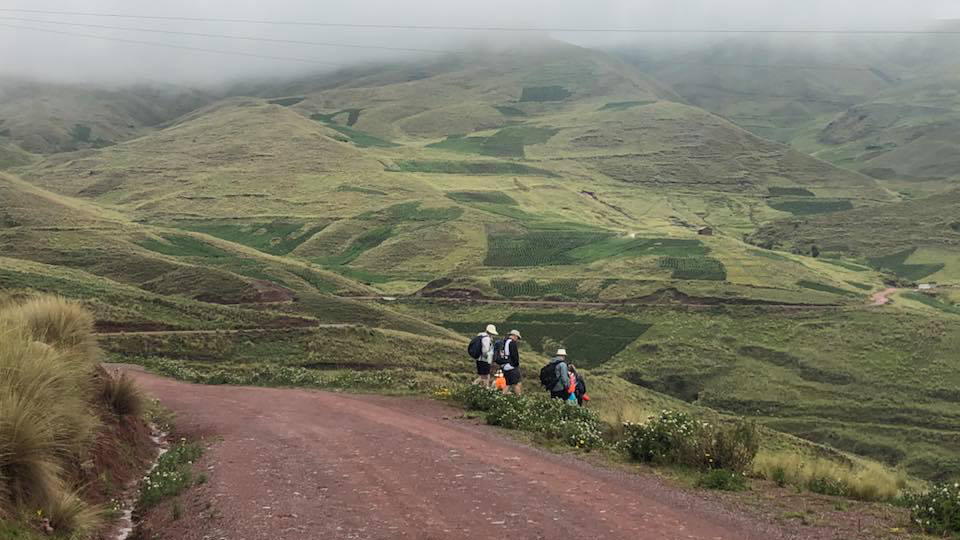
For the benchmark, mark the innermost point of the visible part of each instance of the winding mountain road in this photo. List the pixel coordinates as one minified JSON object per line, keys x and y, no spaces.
{"x":299,"y":464}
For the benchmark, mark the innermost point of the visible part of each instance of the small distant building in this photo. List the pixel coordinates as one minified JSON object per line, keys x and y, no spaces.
{"x":925,"y":287}
{"x":705,"y":231}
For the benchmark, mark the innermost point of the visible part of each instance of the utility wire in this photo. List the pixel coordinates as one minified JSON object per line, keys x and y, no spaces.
{"x":831,"y":67}
{"x":223,"y":36}
{"x":492,"y":28}
{"x":173,"y":46}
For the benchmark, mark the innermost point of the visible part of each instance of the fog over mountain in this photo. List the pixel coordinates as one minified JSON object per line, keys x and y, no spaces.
{"x":59,"y":40}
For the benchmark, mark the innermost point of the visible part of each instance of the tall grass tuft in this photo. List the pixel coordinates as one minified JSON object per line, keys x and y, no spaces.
{"x":123,"y":396}
{"x":48,"y":409}
{"x":866,"y":482}
{"x":60,"y":323}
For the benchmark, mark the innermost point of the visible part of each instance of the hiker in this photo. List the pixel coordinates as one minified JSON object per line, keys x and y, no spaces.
{"x":579,"y":386}
{"x":555,"y":377}
{"x":509,"y":359}
{"x":481,"y":349}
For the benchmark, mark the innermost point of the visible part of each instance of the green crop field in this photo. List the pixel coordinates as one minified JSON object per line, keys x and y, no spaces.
{"x":533,"y":289}
{"x":491,"y":197}
{"x":182,"y":246}
{"x":810,"y":206}
{"x":544,"y":93}
{"x":697,"y":268}
{"x":897,"y":263}
{"x":275,"y":237}
{"x":536,"y":248}
{"x":624,"y":105}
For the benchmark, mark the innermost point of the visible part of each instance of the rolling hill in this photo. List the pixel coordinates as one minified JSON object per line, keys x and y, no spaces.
{"x":491,"y":174}
{"x":541,"y":173}
{"x":45,"y":118}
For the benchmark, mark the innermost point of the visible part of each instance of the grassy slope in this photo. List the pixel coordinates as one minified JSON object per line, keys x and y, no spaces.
{"x":924,"y":226}
{"x":41,"y":117}
{"x":827,"y":376}
{"x":656,"y":168}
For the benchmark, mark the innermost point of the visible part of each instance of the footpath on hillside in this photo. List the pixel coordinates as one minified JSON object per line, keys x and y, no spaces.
{"x":306,"y":464}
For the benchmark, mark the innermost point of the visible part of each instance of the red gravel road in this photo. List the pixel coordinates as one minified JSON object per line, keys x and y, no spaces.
{"x":299,"y":464}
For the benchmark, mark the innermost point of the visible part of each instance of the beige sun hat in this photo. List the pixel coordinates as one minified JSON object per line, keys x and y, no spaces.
{"x":516,"y":333}
{"x":561,"y":352}
{"x":492,"y":330}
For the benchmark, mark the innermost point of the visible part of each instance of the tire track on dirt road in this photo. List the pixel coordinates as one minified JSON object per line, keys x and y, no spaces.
{"x":306,"y":464}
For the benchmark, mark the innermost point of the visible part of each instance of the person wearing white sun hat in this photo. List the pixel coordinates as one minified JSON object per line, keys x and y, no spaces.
{"x":555,"y":376}
{"x":509,"y":360}
{"x":485,"y":361}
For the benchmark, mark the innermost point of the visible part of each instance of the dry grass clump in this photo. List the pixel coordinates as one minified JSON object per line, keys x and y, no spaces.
{"x":123,"y":396}
{"x":64,"y":325}
{"x":865,"y":482}
{"x":49,"y":415}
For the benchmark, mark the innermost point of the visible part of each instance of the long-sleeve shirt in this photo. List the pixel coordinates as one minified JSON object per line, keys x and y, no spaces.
{"x":486,"y":348}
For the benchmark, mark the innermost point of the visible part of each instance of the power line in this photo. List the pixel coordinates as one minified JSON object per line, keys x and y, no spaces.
{"x":223,"y":36}
{"x":492,"y":28}
{"x":173,"y":46}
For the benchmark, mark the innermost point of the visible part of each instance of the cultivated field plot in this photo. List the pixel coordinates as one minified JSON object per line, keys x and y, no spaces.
{"x":551,"y":247}
{"x":592,"y":340}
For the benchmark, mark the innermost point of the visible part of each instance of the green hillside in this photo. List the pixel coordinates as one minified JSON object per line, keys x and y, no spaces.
{"x":674,"y":238}
{"x":45,"y":118}
{"x":918,"y":239}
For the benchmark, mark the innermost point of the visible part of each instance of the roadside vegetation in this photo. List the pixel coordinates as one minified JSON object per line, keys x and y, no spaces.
{"x":59,"y":409}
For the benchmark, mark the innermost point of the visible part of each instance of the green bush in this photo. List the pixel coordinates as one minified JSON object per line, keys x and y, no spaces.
{"x":937,"y":511}
{"x":552,"y":418}
{"x":676,"y":438}
{"x":722,"y":480}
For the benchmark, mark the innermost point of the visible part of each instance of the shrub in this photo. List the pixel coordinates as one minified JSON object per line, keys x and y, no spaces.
{"x":937,"y":511}
{"x":123,"y":396}
{"x":676,"y":438}
{"x":552,"y":418}
{"x":722,"y":480}
{"x":476,"y":398}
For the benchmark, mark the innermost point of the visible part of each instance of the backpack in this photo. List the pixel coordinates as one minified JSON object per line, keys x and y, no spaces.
{"x":498,"y":353}
{"x":548,"y":376}
{"x":475,"y":348}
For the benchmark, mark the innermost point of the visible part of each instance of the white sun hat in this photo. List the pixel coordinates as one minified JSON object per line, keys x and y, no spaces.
{"x":492,"y":330}
{"x":561,"y":352}
{"x":516,"y":333}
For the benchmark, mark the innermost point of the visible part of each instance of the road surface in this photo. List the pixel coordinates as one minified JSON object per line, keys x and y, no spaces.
{"x":299,"y":464}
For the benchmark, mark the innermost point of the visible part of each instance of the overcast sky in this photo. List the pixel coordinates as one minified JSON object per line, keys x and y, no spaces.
{"x":48,"y":55}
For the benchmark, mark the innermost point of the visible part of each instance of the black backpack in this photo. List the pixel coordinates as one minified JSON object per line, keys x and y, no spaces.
{"x":548,"y":376}
{"x":475,"y":348}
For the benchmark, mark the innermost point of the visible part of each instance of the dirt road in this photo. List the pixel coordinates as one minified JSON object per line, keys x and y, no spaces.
{"x":304,"y":464}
